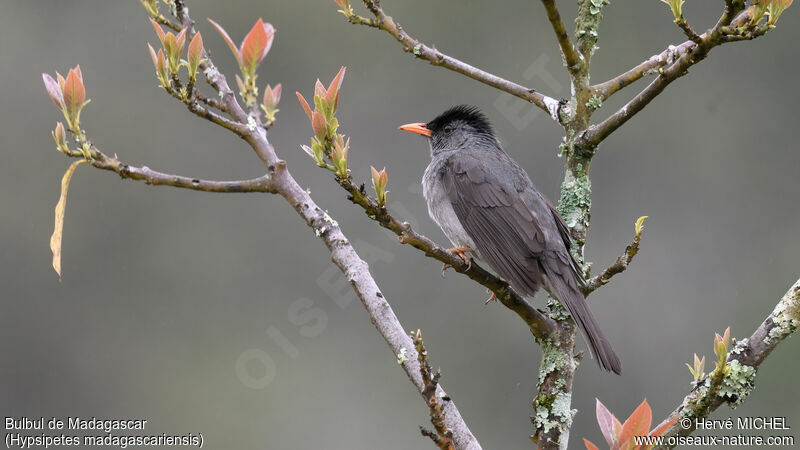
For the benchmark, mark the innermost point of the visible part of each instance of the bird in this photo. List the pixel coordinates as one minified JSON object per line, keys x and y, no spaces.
{"x":487,"y":206}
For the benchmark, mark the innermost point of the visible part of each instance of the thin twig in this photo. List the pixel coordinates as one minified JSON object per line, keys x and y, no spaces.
{"x":687,"y":30}
{"x":437,"y":58}
{"x":149,"y":176}
{"x":619,"y":266}
{"x":571,"y":56}
{"x":650,"y":66}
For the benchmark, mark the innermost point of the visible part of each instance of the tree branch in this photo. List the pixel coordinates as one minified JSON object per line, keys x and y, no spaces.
{"x":749,"y":353}
{"x":571,"y":57}
{"x":677,"y":61}
{"x":261,"y":184}
{"x":599,"y":132}
{"x":687,"y":30}
{"x":620,"y":264}
{"x":437,"y":58}
{"x":648,"y":67}
{"x":442,"y":437}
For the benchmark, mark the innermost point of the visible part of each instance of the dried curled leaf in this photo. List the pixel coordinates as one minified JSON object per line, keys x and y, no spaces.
{"x":55,"y":239}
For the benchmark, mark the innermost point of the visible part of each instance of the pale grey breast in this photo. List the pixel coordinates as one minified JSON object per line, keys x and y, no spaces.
{"x":439,"y":207}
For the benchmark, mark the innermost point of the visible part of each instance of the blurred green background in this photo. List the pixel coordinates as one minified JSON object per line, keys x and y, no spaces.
{"x":175,"y":305}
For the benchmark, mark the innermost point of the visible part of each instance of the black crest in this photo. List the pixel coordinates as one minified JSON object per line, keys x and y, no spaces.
{"x":471,"y":115}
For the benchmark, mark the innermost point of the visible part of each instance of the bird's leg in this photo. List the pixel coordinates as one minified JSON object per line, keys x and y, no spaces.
{"x":461,"y":251}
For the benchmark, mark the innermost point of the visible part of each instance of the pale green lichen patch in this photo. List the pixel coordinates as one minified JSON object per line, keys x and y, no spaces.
{"x":576,"y":200}
{"x":552,"y":359}
{"x":786,"y":316}
{"x":740,"y":346}
{"x":541,"y":421}
{"x":402,"y":357}
{"x":553,"y":408}
{"x":562,"y":408}
{"x":738,"y":384}
{"x":588,"y":21}
{"x":556,"y":310}
{"x":553,"y":411}
{"x":594,"y":103}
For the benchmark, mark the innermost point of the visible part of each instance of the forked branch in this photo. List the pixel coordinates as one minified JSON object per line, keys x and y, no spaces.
{"x":671,"y":64}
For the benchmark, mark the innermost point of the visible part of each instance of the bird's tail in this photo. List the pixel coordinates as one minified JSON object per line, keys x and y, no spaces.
{"x":568,"y":293}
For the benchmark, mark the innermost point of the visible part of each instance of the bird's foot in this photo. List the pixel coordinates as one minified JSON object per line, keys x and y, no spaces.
{"x":493,"y":298}
{"x":461,"y":251}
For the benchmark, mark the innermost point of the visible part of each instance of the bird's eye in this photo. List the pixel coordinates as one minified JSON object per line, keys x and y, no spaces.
{"x":448,"y":129}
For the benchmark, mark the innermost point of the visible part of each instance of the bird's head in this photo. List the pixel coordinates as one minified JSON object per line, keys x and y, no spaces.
{"x":458,"y":128}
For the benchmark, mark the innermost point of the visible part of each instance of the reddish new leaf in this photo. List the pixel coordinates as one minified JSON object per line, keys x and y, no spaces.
{"x":606,"y":421}
{"x":253,"y":46}
{"x":195,"y":52}
{"x":661,"y":429}
{"x":74,"y":92}
{"x":270,"y":30}
{"x":638,"y":424}
{"x":159,"y":31}
{"x":319,"y":125}
{"x":60,"y":81}
{"x":153,"y":55}
{"x":53,"y":90}
{"x":304,"y":104}
{"x":333,"y":89}
{"x":228,"y":41}
{"x":589,"y":445}
{"x":319,"y":89}
{"x":181,"y":38}
{"x":272,"y":96}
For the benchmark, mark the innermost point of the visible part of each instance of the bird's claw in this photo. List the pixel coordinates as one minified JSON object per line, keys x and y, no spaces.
{"x":493,"y":298}
{"x":461,"y":251}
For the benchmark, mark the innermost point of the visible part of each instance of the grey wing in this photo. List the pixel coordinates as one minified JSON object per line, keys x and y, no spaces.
{"x":500,"y":223}
{"x":563,"y":230}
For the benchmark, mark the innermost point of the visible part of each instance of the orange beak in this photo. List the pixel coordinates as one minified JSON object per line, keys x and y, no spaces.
{"x":418,"y":128}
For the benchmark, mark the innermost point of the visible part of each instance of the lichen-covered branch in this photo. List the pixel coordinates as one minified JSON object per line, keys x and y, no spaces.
{"x":745,"y":359}
{"x":411,"y":45}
